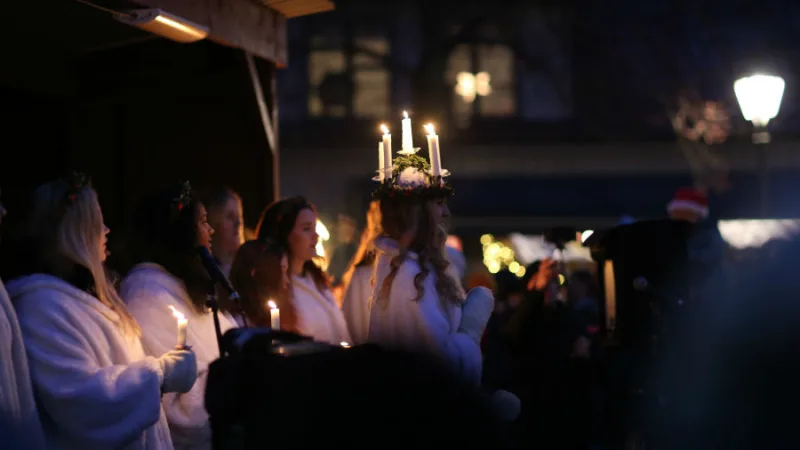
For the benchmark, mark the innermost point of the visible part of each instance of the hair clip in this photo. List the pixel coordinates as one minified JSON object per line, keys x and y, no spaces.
{"x":185,"y":198}
{"x":76,"y":181}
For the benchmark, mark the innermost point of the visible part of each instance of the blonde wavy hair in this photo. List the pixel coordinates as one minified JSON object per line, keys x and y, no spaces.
{"x":68,"y":223}
{"x":366,"y":247}
{"x":413,"y":225}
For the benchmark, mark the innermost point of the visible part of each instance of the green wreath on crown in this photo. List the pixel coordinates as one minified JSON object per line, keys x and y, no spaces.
{"x":411,"y":179}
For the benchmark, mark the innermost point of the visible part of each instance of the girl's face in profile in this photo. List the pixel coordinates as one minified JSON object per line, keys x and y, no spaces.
{"x":303,"y":237}
{"x":204,"y":230}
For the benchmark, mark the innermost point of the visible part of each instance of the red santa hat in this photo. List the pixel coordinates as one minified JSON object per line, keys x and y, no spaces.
{"x":687,"y":198}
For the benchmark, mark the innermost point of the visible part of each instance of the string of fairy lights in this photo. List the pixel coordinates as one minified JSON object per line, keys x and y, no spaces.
{"x":498,"y":256}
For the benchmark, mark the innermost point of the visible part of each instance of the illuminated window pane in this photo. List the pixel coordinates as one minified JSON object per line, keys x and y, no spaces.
{"x":371,"y":93}
{"x":498,"y":62}
{"x":371,"y":80}
{"x":320,"y":64}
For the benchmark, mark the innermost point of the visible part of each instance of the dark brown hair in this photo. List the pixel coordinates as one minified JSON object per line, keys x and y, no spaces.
{"x":277,"y":222}
{"x":257,"y":276}
{"x":164,"y":232}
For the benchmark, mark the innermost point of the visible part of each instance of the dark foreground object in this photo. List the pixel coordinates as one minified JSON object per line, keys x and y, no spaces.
{"x":361,"y":397}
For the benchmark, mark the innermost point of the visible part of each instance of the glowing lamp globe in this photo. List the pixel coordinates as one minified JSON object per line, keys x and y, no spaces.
{"x":759,"y":97}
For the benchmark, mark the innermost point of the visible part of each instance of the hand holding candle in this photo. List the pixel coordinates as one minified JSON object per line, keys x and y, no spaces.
{"x":183,"y":323}
{"x":274,"y":315}
{"x":433,"y":150}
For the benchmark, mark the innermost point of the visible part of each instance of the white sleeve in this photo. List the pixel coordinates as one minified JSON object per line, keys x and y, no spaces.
{"x":186,"y":413}
{"x":101,"y":407}
{"x":355,"y":306}
{"x":424,"y":325}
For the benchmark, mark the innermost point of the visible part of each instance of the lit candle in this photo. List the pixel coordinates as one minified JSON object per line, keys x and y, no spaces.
{"x":408,"y":142}
{"x":274,"y":315}
{"x":433,"y":150}
{"x":387,"y":151}
{"x":182,"y":324}
{"x":381,"y":162}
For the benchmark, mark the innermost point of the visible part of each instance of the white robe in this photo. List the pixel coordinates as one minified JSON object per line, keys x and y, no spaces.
{"x":428,"y":325}
{"x":94,"y":386}
{"x":356,"y":303}
{"x":318,"y":315}
{"x":19,"y":420}
{"x":149,"y":290}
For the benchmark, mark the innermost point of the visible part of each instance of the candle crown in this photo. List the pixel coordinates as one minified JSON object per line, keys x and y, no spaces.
{"x":411,"y":176}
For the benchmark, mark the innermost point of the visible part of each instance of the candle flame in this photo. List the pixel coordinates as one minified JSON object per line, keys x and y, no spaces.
{"x":345,"y":344}
{"x":272,"y":305}
{"x":405,"y":114}
{"x":178,"y":315}
{"x":429,"y":129}
{"x":384,"y":128}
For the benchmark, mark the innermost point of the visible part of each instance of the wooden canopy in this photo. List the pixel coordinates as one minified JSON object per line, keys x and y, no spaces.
{"x":256,"y":26}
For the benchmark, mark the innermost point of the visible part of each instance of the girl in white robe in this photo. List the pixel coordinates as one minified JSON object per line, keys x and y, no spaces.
{"x":417,"y":305}
{"x":19,"y":420}
{"x":94,"y":386}
{"x":357,"y":279}
{"x":291,"y":224}
{"x":168,"y":227}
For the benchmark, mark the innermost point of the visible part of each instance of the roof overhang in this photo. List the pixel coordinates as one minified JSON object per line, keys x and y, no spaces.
{"x":256,"y":26}
{"x":297,"y":8}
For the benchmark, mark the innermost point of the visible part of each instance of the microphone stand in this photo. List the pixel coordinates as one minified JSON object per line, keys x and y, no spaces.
{"x":211,"y":302}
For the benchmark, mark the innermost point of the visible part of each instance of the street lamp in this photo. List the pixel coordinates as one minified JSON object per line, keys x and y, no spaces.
{"x":759,"y":98}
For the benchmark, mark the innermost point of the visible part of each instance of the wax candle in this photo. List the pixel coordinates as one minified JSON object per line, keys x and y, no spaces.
{"x":274,"y":315}
{"x":183,"y":323}
{"x":387,"y":151}
{"x":408,"y":141}
{"x":433,"y":150}
{"x":381,"y":162}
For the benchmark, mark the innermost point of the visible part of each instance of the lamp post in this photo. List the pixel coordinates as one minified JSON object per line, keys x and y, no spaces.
{"x":760,"y":98}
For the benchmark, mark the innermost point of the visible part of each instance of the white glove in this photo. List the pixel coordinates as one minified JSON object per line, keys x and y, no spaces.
{"x":476,"y":312}
{"x":180,"y":370}
{"x":505,"y":405}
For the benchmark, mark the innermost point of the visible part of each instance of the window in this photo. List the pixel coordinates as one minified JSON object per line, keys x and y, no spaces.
{"x":325,"y":68}
{"x":371,"y":79}
{"x":492,"y":84}
{"x":331,"y":81}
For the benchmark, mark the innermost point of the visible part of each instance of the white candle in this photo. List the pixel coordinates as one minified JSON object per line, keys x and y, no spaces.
{"x":433,"y":150}
{"x":387,"y":151}
{"x":408,"y":141}
{"x":381,"y":162}
{"x":183,"y":323}
{"x":274,"y":315}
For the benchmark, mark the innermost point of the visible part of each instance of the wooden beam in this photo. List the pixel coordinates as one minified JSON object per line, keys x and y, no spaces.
{"x":243,"y":24}
{"x":268,"y":120}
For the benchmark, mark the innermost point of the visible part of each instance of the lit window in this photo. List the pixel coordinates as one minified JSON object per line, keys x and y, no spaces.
{"x":330,"y":82}
{"x":492,"y":87}
{"x":371,"y":79}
